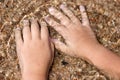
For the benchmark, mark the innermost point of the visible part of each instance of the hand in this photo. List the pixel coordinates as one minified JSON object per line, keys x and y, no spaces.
{"x":78,"y":36}
{"x":35,"y":51}
{"x":81,"y":41}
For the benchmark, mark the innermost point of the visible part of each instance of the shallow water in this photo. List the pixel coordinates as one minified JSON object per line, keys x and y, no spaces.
{"x":104,"y":16}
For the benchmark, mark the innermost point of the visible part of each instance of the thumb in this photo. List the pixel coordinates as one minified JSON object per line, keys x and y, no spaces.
{"x":61,"y":46}
{"x":52,"y":47}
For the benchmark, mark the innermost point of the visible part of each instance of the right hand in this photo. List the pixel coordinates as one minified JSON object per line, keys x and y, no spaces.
{"x":79,"y":36}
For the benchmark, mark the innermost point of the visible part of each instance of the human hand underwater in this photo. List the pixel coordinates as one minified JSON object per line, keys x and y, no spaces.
{"x":80,"y":41}
{"x":35,"y":51}
{"x":78,"y":36}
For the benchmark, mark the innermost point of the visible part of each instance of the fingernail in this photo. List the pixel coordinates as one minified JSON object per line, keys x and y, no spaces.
{"x":43,"y":23}
{"x":51,"y":10}
{"x":82,"y":8}
{"x":25,"y":22}
{"x":63,"y":5}
{"x":47,"y":18}
{"x":32,"y":19}
{"x":17,"y":29}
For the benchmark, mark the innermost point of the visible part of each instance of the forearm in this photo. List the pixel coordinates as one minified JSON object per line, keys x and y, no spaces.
{"x":105,"y":60}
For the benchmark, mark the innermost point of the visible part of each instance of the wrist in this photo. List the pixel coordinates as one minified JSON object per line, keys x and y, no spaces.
{"x":89,"y":51}
{"x":33,"y":75}
{"x":30,"y":75}
{"x":93,"y":51}
{"x":102,"y":58}
{"x":96,"y":53}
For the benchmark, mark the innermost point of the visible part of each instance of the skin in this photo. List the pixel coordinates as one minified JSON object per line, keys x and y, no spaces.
{"x":35,"y":51}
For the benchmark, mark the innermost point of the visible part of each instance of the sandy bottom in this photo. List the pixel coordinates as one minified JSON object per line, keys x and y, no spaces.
{"x":104,"y":16}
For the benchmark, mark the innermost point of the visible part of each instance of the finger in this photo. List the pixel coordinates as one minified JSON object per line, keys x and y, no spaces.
{"x":35,"y":29}
{"x":85,"y":19}
{"x":69,"y":13}
{"x":52,"y":47}
{"x":44,"y":31}
{"x":58,"y":27}
{"x":63,"y":19}
{"x":26,"y":30}
{"x":20,"y":62}
{"x":52,"y":52}
{"x":18,"y":39}
{"x":61,"y":46}
{"x":19,"y":43}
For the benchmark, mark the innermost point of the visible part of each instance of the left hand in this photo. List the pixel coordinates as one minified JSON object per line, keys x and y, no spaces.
{"x":35,"y":51}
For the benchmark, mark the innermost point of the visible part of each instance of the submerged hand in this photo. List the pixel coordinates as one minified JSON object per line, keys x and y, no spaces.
{"x":78,"y":36}
{"x":35,"y":51}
